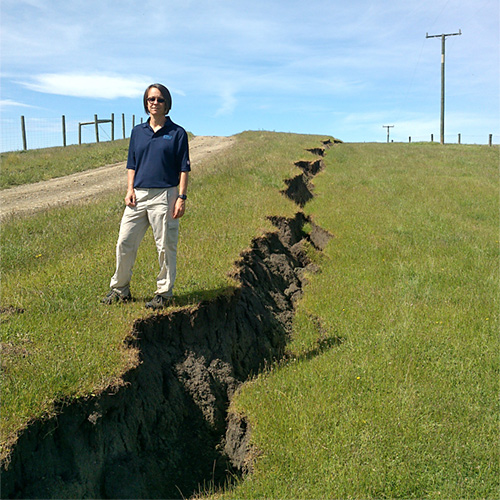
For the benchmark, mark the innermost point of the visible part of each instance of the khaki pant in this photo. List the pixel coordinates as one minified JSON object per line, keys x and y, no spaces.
{"x":154,"y":207}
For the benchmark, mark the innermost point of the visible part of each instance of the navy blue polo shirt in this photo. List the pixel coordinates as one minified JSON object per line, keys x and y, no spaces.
{"x":159,"y":157}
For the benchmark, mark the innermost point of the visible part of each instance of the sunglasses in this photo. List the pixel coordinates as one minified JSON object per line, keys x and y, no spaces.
{"x":157,"y":99}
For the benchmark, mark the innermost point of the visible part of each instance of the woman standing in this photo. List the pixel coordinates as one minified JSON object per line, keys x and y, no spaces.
{"x":157,"y":170}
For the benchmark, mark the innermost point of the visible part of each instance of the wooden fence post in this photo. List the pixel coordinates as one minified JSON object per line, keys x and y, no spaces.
{"x":490,"y":140}
{"x":432,"y":137}
{"x":459,"y":139}
{"x":409,"y":139}
{"x":96,"y":128}
{"x":23,"y":132}
{"x":64,"y":130}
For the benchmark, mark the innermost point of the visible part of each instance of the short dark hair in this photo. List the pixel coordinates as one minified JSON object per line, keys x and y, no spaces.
{"x":164,"y":92}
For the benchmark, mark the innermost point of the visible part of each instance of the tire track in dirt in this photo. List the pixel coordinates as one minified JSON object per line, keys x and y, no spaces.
{"x":31,"y":198}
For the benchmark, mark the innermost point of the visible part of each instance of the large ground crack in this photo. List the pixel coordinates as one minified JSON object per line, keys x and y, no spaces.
{"x":167,"y":430}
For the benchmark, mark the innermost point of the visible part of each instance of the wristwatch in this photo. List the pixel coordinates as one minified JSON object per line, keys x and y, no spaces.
{"x":182,"y":196}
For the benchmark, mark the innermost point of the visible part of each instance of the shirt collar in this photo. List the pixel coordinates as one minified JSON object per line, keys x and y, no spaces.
{"x":168,"y":121}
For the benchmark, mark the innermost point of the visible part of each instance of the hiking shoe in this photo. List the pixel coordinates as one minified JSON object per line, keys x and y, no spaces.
{"x":158,"y":302}
{"x":113,"y":296}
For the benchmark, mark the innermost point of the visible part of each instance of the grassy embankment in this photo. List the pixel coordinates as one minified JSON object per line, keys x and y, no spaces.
{"x":34,"y":165}
{"x":400,"y":399}
{"x":393,"y":388}
{"x":58,"y":341}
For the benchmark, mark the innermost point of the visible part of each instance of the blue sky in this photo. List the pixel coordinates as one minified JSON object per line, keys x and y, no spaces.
{"x":324,"y":67}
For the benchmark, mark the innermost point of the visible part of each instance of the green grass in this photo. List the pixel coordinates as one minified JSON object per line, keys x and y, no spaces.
{"x":392,"y":384}
{"x":58,"y":341}
{"x":34,"y":165}
{"x":392,"y":391}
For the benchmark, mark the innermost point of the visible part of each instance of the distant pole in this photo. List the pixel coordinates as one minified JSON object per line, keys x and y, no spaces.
{"x":123,"y":124}
{"x":387,"y":127}
{"x":112,"y":126}
{"x":96,"y":128}
{"x":490,"y":139}
{"x":443,"y":38}
{"x":64,"y":130}
{"x":23,"y":132}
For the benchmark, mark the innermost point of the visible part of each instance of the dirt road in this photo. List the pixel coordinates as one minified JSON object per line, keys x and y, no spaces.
{"x":31,"y":198}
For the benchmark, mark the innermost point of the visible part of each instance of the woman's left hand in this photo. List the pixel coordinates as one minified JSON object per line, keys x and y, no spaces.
{"x":179,"y":208}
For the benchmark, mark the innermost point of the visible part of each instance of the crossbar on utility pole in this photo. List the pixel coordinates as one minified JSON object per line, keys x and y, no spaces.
{"x":387,"y":127}
{"x":443,"y":38}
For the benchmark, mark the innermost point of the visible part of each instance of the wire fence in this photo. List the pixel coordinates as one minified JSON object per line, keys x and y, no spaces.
{"x":44,"y":132}
{"x":489,"y":139}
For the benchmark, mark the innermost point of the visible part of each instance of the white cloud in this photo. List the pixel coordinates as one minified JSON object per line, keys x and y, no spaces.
{"x":9,"y":103}
{"x":88,"y":85}
{"x":228,"y":102}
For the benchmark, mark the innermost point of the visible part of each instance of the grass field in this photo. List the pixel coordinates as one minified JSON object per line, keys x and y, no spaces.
{"x":402,"y":399}
{"x":391,"y":385}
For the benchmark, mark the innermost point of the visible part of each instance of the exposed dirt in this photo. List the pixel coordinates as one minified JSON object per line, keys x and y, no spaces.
{"x":84,"y":185}
{"x":167,"y":429}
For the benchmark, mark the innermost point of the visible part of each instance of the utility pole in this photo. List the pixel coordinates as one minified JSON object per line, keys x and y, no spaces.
{"x":443,"y":38}
{"x":387,"y":127}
